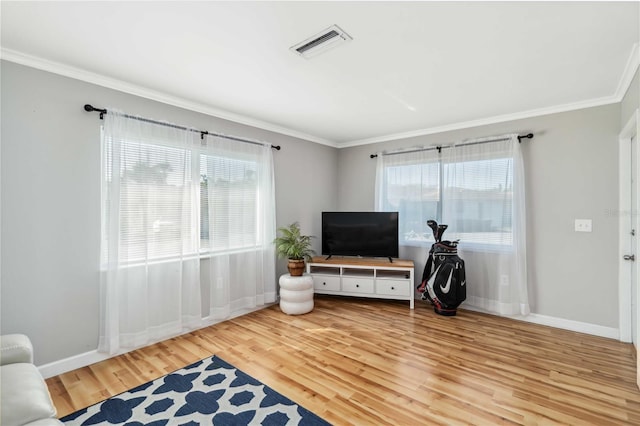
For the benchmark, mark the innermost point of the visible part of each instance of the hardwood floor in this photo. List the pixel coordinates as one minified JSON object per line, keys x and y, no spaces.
{"x":373,"y":362}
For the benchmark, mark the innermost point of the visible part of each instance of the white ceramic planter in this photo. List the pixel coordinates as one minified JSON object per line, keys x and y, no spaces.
{"x":296,"y":294}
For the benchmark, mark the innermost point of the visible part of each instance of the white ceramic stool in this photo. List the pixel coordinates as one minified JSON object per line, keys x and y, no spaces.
{"x":296,"y":294}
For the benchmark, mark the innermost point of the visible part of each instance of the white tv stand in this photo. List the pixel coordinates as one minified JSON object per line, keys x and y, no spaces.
{"x":363,"y":277}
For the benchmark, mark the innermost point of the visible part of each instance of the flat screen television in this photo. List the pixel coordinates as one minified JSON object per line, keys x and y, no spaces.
{"x":366,"y":234}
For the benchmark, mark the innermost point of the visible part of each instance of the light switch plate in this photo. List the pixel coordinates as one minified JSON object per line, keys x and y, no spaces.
{"x":583,"y":225}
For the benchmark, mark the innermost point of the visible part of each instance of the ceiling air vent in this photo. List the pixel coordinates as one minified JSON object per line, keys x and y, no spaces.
{"x":327,"y":39}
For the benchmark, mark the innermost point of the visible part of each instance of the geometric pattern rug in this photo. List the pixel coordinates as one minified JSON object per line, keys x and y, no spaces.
{"x":207,"y":392}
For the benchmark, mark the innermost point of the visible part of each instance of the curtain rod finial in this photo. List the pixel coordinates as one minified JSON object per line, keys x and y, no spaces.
{"x":527,"y":136}
{"x":91,"y":108}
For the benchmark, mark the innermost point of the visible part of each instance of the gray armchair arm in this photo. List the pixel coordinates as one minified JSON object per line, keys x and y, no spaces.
{"x":15,"y":348}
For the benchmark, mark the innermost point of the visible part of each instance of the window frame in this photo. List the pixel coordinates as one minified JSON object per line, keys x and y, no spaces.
{"x":194,"y":154}
{"x":488,"y":246}
{"x":211,"y":251}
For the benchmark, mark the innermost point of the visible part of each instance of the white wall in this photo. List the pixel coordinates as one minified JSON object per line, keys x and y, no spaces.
{"x":572,"y":171}
{"x":51,"y":200}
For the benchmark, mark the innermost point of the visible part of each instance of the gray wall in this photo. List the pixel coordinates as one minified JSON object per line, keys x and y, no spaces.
{"x":51,"y":200}
{"x":50,"y":210}
{"x":572,"y":173}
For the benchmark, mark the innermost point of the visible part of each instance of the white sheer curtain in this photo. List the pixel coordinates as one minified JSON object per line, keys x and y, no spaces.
{"x":409,"y":183}
{"x":484,"y":206}
{"x":240,"y":263}
{"x":477,"y":189}
{"x":150,"y":287}
{"x":187,"y":231}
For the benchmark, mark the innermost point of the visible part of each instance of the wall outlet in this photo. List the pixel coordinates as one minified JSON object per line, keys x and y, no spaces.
{"x":583,"y":225}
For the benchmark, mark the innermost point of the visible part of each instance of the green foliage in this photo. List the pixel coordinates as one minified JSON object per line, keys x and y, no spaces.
{"x":292,"y":245}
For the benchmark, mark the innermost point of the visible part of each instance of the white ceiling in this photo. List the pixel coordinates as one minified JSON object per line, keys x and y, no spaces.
{"x":412,"y":67}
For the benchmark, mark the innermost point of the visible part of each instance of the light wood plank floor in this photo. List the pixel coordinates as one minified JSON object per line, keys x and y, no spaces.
{"x":372,"y":362}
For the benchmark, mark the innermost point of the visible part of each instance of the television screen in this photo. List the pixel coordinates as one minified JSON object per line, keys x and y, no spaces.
{"x":367,"y":234}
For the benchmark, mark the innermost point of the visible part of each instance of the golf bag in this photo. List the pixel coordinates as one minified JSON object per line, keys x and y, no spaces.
{"x":443,"y":280}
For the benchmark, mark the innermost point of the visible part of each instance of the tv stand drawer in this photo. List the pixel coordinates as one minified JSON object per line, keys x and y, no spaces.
{"x":393,"y":287}
{"x":357,"y":285}
{"x":325,"y":282}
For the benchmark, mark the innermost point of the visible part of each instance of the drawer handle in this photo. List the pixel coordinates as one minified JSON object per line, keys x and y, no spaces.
{"x":357,"y":285}
{"x":324,"y":283}
{"x":393,"y":288}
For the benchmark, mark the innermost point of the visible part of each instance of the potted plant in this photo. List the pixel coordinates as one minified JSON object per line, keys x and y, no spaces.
{"x":295,"y":247}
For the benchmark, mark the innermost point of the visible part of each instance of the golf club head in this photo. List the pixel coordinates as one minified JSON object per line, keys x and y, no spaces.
{"x":434,"y":227}
{"x":441,"y":229}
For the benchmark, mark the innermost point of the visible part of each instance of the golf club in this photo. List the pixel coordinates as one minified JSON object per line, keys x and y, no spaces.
{"x":434,"y":227}
{"x":441,"y":229}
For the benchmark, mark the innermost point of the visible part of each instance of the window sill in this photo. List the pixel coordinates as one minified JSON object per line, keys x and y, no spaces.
{"x":190,"y":256}
{"x":469,"y":246}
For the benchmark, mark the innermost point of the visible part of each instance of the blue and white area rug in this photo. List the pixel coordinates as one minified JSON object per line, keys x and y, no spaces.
{"x":208,"y":392}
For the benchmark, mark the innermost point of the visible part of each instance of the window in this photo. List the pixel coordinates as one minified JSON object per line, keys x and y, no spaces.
{"x":469,"y":189}
{"x":163,"y":214}
{"x":153,"y":209}
{"x":228,"y":203}
{"x":414,"y":191}
{"x":478,"y":196}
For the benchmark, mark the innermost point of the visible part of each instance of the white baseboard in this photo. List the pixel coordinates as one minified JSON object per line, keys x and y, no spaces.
{"x":581,"y":327}
{"x":565,"y":324}
{"x":73,"y":362}
{"x":82,"y":360}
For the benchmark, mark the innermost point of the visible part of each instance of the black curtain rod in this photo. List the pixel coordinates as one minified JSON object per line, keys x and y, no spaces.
{"x":91,"y":108}
{"x":440,"y":148}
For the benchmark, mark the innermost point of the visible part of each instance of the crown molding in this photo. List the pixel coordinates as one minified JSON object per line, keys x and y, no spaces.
{"x":633,"y":62}
{"x":485,"y":121}
{"x":133,"y":89}
{"x":629,"y":72}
